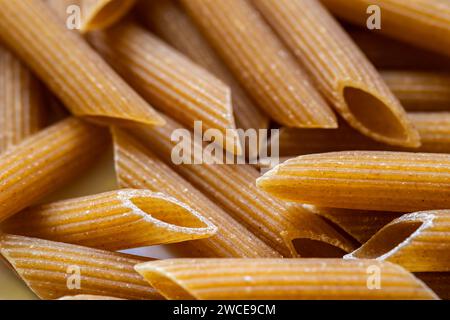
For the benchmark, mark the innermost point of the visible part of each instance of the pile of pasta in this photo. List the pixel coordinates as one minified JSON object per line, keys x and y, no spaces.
{"x":358,"y":209}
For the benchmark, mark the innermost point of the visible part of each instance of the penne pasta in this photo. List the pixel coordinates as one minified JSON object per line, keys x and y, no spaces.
{"x":114,"y":220}
{"x":340,"y":70}
{"x":137,"y":167}
{"x":100,"y":14}
{"x":422,"y":23}
{"x":45,"y":161}
{"x":270,"y":279}
{"x":433,"y":127}
{"x":420,"y":91}
{"x":171,"y":23}
{"x":386,"y":53}
{"x":53,"y":269}
{"x":360,"y":224}
{"x":285,"y":228}
{"x":366,"y":180}
{"x":439,"y":282}
{"x":88,"y":297}
{"x":268,"y":72}
{"x":169,"y":80}
{"x":70,"y":68}
{"x":22,"y":103}
{"x":419,"y":242}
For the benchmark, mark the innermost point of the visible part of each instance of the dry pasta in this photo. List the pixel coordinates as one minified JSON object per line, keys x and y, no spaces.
{"x":88,"y":297}
{"x":22,"y":102}
{"x":167,"y":79}
{"x":419,"y":242}
{"x":340,"y":70}
{"x":114,"y":220}
{"x":367,"y":180}
{"x":268,"y":72}
{"x":360,"y":224}
{"x":168,"y":21}
{"x":69,"y":67}
{"x":100,"y":14}
{"x":48,"y":268}
{"x":280,"y":279}
{"x":420,"y":91}
{"x":232,"y":187}
{"x":45,"y":161}
{"x":137,"y":167}
{"x":422,"y":23}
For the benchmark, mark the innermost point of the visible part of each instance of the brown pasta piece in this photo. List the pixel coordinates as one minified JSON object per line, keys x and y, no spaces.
{"x":268,"y":72}
{"x":419,"y":242}
{"x":100,"y":14}
{"x":340,"y":70}
{"x":114,"y":220}
{"x":71,"y":69}
{"x":366,"y":180}
{"x":45,"y":161}
{"x":51,"y":269}
{"x":84,"y":297}
{"x":169,"y":80}
{"x":283,"y":227}
{"x":287,"y":279}
{"x":137,"y":167}
{"x":422,"y":23}
{"x":22,"y":102}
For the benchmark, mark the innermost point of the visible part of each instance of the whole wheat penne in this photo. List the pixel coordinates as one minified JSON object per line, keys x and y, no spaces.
{"x":386,"y":53}
{"x":137,"y":167}
{"x":22,"y":102}
{"x":439,"y":282}
{"x":171,"y":23}
{"x":340,"y":69}
{"x":367,"y":180}
{"x":286,"y":279}
{"x":433,"y":128}
{"x":115,"y":220}
{"x":422,"y":23}
{"x":420,"y":91}
{"x":360,"y":224}
{"x":420,"y":242}
{"x":261,"y":62}
{"x":69,"y":67}
{"x":100,"y":14}
{"x":45,"y":161}
{"x":233,"y":188}
{"x":88,"y":297}
{"x":53,"y":269}
{"x":166,"y":78}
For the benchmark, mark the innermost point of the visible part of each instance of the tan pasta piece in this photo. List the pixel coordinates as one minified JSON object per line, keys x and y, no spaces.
{"x":169,"y":80}
{"x":100,"y":14}
{"x":420,"y":242}
{"x":114,"y":220}
{"x":360,"y":224}
{"x":422,"y":23}
{"x":433,"y":127}
{"x":51,"y":269}
{"x":340,"y":69}
{"x":439,"y":282}
{"x":85,"y":297}
{"x":367,"y":180}
{"x":285,"y":228}
{"x":45,"y":161}
{"x":268,"y":72}
{"x":286,"y":279}
{"x":137,"y":167}
{"x":22,"y":103}
{"x":69,"y":66}
{"x":386,"y":53}
{"x":420,"y":91}
{"x":171,"y":23}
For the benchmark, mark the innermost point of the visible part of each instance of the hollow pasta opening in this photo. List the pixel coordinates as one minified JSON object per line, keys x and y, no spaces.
{"x":387,"y":239}
{"x":309,"y":248}
{"x":373,"y":114}
{"x":167,"y":286}
{"x":171,"y":214}
{"x":107,"y":13}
